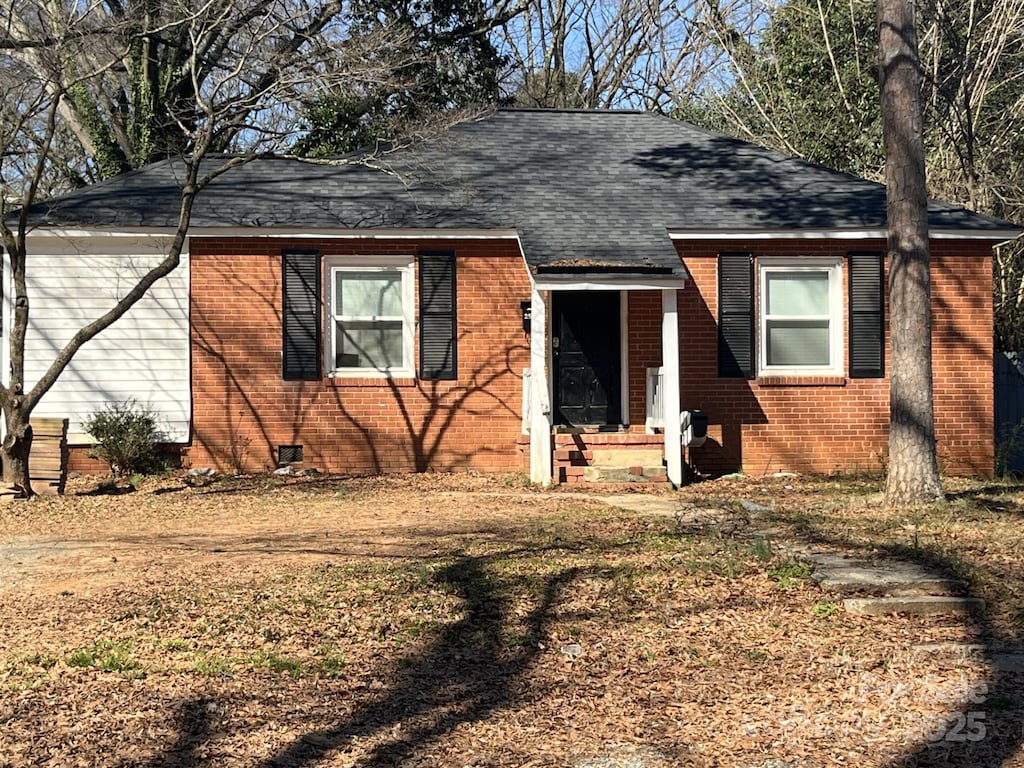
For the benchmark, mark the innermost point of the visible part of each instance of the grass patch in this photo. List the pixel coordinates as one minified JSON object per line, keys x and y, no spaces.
{"x":108,"y":655}
{"x":278,"y":664}
{"x":213,"y":665}
{"x":825,"y":609}
{"x":40,"y":660}
{"x":329,"y":662}
{"x":790,"y":574}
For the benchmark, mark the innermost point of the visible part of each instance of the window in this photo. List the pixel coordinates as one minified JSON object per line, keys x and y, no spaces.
{"x":800,"y":312}
{"x":797,"y":326}
{"x":368,"y":326}
{"x":371,"y":327}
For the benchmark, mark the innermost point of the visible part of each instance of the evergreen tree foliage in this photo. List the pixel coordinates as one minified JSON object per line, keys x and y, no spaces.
{"x":445,"y":59}
{"x":811,"y":86}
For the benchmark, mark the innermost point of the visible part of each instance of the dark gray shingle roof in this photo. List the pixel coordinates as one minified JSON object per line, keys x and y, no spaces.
{"x":579,"y":187}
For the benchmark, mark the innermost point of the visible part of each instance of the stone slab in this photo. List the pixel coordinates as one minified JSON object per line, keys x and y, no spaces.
{"x":958,"y":650}
{"x":598,"y":474}
{"x":918,"y":606}
{"x":896,"y":579}
{"x":645,"y":504}
{"x":1008,"y":662}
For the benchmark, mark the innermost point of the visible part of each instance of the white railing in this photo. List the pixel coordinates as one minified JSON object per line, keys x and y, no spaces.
{"x":527,"y":399}
{"x":655,"y":412}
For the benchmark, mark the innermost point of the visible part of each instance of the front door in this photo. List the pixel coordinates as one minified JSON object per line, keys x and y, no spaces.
{"x":586,"y":358}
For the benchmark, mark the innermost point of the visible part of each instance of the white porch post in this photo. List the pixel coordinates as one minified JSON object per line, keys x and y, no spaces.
{"x":670,"y":391}
{"x":540,"y":403}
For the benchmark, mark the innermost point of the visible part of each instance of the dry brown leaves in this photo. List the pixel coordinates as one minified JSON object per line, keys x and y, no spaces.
{"x":453,"y":621}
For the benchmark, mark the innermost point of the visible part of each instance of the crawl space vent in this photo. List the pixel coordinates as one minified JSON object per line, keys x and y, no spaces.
{"x":289,"y":454}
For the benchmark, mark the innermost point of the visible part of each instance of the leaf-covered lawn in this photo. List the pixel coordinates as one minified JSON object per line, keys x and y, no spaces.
{"x":464,"y":621}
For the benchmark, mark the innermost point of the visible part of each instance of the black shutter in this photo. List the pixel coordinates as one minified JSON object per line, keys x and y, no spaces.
{"x":735,"y":315}
{"x":438,"y":329}
{"x":867,"y":316}
{"x":300,"y":285}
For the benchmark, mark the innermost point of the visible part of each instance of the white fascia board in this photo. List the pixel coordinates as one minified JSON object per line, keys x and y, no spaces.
{"x":37,"y":236}
{"x":605,"y":282}
{"x":305,"y":233}
{"x":838,"y":234}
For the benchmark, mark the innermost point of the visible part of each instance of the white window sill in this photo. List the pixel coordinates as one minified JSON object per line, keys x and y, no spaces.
{"x":372,"y":373}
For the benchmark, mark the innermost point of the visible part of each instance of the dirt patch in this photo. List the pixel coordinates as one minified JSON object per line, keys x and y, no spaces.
{"x":258,"y":523}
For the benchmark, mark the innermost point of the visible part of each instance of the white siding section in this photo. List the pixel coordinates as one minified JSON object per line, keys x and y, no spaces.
{"x":144,"y":355}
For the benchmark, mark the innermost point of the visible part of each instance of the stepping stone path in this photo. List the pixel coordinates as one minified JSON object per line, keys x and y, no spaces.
{"x":885,"y":586}
{"x":870,"y":587}
{"x":881,"y":587}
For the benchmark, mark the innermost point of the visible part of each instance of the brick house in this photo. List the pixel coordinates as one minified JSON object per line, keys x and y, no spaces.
{"x":533,"y":290}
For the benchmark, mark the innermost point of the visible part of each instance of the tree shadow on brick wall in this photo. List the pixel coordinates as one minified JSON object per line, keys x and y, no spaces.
{"x":368,"y":425}
{"x":729,"y":403}
{"x":959,"y":312}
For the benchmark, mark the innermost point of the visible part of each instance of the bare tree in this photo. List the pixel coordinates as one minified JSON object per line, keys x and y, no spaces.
{"x":913,"y":474}
{"x":147,"y":65}
{"x":596,"y":54}
{"x":242,"y":87}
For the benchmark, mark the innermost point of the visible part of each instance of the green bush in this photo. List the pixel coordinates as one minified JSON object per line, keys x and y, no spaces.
{"x":126,"y":437}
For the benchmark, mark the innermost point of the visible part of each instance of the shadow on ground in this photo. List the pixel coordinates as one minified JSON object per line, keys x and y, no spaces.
{"x":987,"y":726}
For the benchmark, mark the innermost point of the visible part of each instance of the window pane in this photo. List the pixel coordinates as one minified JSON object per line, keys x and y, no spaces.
{"x":797,"y":293}
{"x":367,"y":294}
{"x":797,"y":343}
{"x":369,"y":345}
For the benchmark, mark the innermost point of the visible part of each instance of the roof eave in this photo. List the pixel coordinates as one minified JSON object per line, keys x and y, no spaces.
{"x":841,"y":233}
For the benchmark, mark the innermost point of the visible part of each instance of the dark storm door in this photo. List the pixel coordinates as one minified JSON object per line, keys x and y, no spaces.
{"x":586,"y":358}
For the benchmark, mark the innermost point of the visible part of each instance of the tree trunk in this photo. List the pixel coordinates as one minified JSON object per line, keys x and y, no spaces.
{"x":14,"y":451}
{"x":913,"y":475}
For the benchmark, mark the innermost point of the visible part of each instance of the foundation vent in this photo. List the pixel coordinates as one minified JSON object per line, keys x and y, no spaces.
{"x":289,"y":454}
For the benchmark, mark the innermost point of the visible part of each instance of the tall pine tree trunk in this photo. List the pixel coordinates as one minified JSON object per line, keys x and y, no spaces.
{"x":913,"y":475}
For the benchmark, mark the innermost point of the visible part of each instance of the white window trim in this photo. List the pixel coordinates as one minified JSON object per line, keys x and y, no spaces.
{"x":405,"y":265}
{"x":834,"y":267}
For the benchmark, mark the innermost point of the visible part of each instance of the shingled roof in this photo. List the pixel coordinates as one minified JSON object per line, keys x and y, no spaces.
{"x":600,"y":188}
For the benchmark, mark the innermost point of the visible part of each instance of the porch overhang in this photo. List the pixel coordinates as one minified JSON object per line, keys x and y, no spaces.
{"x":608,"y":283}
{"x":565,"y":280}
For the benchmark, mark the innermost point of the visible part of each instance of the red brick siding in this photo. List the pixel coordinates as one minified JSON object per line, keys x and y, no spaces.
{"x":243,"y":409}
{"x":644,"y":313}
{"x":824,"y":425}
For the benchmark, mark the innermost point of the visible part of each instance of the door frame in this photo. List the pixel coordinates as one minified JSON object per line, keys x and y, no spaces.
{"x":623,"y":353}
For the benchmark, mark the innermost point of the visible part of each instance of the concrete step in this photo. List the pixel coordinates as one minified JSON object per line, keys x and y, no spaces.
{"x":611,"y":457}
{"x":918,"y":606}
{"x":630,"y":474}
